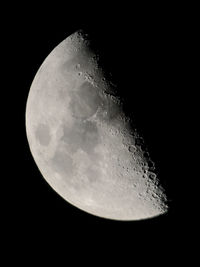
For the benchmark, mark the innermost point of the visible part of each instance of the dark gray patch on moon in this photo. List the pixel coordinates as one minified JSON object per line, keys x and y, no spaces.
{"x":84,"y":101}
{"x":42,"y":134}
{"x":82,"y":135}
{"x":62,"y":163}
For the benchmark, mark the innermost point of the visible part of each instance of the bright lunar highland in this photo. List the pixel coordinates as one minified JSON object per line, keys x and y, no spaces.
{"x":83,"y":143}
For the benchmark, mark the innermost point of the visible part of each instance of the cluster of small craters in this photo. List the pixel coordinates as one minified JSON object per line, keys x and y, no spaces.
{"x":80,"y":38}
{"x":154,"y":191}
{"x":154,"y":194}
{"x":141,"y":155}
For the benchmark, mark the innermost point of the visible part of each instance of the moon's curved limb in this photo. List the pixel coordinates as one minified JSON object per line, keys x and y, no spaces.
{"x":83,"y":143}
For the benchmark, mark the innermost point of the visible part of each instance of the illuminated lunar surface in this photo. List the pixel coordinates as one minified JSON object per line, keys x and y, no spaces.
{"x":82,"y":142}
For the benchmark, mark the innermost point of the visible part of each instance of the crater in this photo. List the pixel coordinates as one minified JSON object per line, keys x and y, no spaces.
{"x":132,"y":149}
{"x":42,"y":134}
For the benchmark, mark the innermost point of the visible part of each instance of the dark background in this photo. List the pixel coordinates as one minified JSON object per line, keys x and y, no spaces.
{"x":146,"y":50}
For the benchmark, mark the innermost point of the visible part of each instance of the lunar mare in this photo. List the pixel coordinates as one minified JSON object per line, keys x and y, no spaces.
{"x":82,"y":142}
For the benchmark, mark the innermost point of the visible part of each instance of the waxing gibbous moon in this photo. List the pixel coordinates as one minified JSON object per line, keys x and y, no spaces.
{"x":83,"y":143}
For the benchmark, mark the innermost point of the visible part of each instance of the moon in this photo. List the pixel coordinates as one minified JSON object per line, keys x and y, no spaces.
{"x":83,"y":143}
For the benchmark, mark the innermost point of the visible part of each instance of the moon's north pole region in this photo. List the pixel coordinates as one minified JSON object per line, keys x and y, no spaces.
{"x":83,"y":143}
